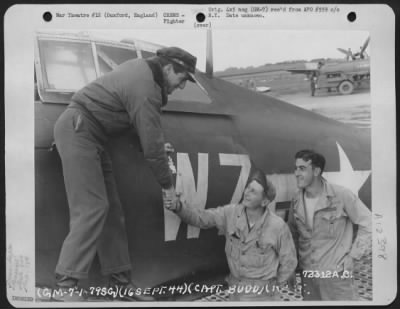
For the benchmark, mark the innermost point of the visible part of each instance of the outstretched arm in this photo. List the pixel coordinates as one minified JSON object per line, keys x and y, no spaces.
{"x":202,"y":218}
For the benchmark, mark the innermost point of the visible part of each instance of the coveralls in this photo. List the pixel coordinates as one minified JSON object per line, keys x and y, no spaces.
{"x":259,"y":258}
{"x":129,"y":96}
{"x":328,"y":246}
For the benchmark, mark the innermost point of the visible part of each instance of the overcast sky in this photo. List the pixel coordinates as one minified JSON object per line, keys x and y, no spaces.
{"x":243,"y":48}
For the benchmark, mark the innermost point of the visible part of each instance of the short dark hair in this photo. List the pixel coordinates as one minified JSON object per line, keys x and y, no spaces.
{"x":317,"y":159}
{"x":269,"y":189}
{"x":177,"y":68}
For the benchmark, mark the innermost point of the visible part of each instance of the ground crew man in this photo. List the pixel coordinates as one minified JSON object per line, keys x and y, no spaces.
{"x":321,"y":219}
{"x":130,"y":96}
{"x":259,"y":246}
{"x":313,"y":83}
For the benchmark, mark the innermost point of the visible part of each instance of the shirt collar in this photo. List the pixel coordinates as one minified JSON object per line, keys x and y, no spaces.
{"x":158,"y":77}
{"x":327,"y":190}
{"x":258,"y":223}
{"x":327,"y":194}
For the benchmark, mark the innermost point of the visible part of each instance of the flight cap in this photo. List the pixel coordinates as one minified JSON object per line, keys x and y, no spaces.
{"x":180,"y":57}
{"x":269,"y":188}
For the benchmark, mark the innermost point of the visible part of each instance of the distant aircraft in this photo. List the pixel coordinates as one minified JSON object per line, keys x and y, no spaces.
{"x":342,"y":76}
{"x":220,"y":132}
{"x":359,"y":55}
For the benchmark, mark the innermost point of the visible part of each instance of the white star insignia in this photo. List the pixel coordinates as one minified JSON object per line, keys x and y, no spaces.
{"x":347,"y":176}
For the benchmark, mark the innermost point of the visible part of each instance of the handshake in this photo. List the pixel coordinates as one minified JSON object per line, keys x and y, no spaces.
{"x":171,"y":199}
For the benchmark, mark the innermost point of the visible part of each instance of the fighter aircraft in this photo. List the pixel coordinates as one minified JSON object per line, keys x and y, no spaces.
{"x":362,"y":54}
{"x":219,"y":131}
{"x":343,"y":76}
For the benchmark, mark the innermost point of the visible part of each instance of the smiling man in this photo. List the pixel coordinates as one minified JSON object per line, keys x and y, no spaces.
{"x":129,"y":97}
{"x":259,"y":247}
{"x":321,"y":219}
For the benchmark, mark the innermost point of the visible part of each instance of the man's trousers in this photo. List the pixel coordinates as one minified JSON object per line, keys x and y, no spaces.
{"x":96,"y":218}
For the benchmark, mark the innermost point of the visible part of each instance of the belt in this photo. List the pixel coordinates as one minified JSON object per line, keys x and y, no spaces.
{"x":86,"y":112}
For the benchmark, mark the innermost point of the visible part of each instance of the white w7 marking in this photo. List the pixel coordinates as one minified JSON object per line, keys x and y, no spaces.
{"x":196,"y":197}
{"x":237,"y":160}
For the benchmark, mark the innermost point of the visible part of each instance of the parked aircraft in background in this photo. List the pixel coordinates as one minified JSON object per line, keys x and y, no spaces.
{"x":344,"y":76}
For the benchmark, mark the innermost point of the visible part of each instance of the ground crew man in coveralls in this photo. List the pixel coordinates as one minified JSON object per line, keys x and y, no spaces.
{"x":321,"y":218}
{"x":131,"y":96}
{"x":259,"y":246}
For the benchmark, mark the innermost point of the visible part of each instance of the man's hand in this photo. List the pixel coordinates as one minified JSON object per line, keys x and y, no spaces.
{"x":171,"y":199}
{"x":348,"y":263}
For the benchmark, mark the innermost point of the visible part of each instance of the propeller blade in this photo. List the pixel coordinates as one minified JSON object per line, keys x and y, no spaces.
{"x":365,"y":45}
{"x":346,"y":52}
{"x":209,"y":55}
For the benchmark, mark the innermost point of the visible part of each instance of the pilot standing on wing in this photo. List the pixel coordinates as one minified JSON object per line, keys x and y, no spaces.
{"x":131,"y":96}
{"x":321,"y":219}
{"x":259,"y":246}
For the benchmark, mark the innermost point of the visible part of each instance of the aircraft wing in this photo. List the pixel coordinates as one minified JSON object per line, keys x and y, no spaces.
{"x":305,"y":68}
{"x":301,"y":71}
